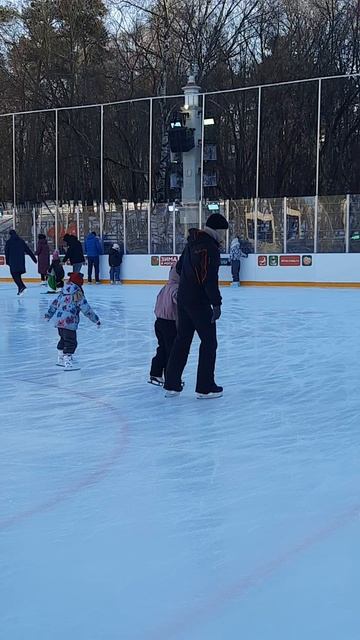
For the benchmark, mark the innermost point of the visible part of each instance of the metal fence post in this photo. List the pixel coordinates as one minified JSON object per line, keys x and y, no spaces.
{"x":347,"y":224}
{"x":56,"y":236}
{"x":124,"y":229}
{"x":101,"y":224}
{"x":257,"y":169}
{"x":14,"y":169}
{"x":317,"y":178}
{"x":285,"y":223}
{"x":34,"y":226}
{"x":174,"y":228}
{"x":202,"y":157}
{"x":227,"y":216}
{"x":150,"y":172}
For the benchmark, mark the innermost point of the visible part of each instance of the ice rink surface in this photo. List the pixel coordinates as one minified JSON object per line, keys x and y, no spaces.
{"x":127,"y":516}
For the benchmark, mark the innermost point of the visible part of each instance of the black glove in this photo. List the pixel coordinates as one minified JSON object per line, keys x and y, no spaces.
{"x":216,"y":314}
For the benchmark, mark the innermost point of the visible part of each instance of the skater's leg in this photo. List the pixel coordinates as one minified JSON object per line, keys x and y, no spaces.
{"x":180,"y":351}
{"x":158,"y":362}
{"x":206,"y":330}
{"x":70,"y":341}
{"x":97,"y":268}
{"x":90,"y":268}
{"x":60,"y":344}
{"x":18,"y":280}
{"x":169,"y":333}
{"x":117,"y":274}
{"x":77,"y":267}
{"x":235,"y":270}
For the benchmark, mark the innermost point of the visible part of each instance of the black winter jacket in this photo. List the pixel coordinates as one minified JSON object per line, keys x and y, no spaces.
{"x":57,"y":269}
{"x":198,"y":268}
{"x":74,"y":252}
{"x":15,"y":251}
{"x":115,"y":257}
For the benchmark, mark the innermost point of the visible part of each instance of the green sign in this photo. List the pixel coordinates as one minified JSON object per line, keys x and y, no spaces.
{"x":273,"y":261}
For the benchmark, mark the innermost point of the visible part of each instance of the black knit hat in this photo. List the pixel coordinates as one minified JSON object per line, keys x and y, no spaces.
{"x":217,"y":221}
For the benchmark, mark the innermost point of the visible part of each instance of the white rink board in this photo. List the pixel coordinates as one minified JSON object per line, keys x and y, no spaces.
{"x":325,"y":268}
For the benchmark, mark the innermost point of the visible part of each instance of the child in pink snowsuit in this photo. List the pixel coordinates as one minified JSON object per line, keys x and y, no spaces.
{"x":165,"y":326}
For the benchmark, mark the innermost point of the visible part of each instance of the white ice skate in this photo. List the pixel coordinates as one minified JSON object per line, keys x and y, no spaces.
{"x":216,"y":392}
{"x":235,"y":284}
{"x":172,"y":394}
{"x":156,"y":381}
{"x":69,"y":364}
{"x":60,"y":360}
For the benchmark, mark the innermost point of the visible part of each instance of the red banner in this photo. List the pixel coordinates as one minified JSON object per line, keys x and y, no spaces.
{"x":290,"y":261}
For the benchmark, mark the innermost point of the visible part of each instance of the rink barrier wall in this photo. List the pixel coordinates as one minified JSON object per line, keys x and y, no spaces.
{"x":310,"y":270}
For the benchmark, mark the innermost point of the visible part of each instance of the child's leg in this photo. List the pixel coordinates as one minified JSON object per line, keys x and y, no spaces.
{"x":60,"y":344}
{"x":70,"y":341}
{"x":169,"y":334}
{"x":158,"y":362}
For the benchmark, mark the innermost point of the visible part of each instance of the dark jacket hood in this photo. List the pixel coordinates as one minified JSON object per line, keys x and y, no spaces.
{"x":198,"y":236}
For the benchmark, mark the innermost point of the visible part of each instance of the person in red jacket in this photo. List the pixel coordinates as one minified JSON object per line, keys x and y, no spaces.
{"x":199,"y":306}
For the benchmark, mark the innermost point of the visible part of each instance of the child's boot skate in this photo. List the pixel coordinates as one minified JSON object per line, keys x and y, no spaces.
{"x":69,"y":364}
{"x":60,"y":359}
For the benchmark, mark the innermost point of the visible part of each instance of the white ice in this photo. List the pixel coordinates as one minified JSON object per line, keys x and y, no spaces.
{"x":127,"y":516}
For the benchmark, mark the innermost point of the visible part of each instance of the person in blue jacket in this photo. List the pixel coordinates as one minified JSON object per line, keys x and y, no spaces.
{"x":93,"y":250}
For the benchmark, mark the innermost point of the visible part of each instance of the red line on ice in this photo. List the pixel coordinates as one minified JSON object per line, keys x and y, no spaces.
{"x":87,"y":481}
{"x":238,"y":589}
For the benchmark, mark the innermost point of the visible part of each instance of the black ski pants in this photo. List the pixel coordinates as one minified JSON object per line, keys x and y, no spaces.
{"x":68,"y":342}
{"x":235,"y":270}
{"x":18,"y":280}
{"x":165,"y":331}
{"x":93,"y":262}
{"x":190,"y":319}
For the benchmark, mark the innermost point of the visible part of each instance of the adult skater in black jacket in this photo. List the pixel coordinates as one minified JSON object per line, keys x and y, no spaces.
{"x":199,"y":306}
{"x":15,"y":251}
{"x":74,"y":253}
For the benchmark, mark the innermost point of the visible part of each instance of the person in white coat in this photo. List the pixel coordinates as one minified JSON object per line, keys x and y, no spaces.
{"x":236,"y":254}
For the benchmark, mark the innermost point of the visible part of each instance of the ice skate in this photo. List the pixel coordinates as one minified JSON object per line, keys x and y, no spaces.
{"x":60,"y":360}
{"x":169,"y":393}
{"x":22,"y":292}
{"x":69,"y":364}
{"x":235,"y":284}
{"x":216,"y":392}
{"x":157,"y":381}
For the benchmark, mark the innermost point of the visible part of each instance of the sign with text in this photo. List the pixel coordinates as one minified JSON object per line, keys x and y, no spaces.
{"x":262,"y":261}
{"x":168,"y":261}
{"x":290,"y":261}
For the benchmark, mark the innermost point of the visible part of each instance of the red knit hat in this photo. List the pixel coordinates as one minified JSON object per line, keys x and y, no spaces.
{"x":76,"y":278}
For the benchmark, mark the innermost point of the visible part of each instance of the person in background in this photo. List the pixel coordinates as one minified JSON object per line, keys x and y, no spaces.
{"x":236,"y":253}
{"x":67,"y":307}
{"x":165,"y":326}
{"x":74,"y":252}
{"x":199,"y":306}
{"x":56,"y":274}
{"x":15,"y":251}
{"x":43,"y":254}
{"x":93,"y":250}
{"x":115,"y":260}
